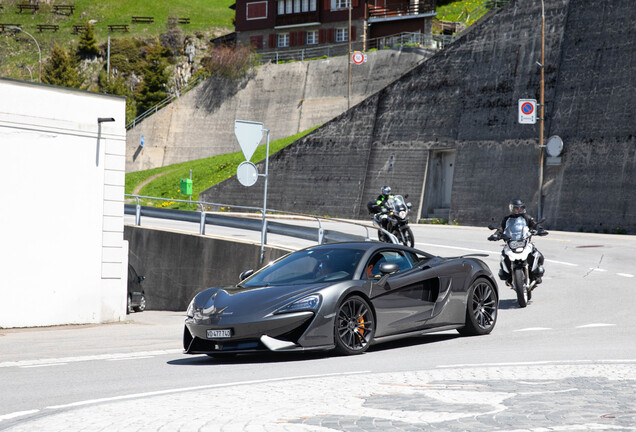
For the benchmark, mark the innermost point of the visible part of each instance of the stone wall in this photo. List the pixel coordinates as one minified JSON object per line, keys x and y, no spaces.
{"x":465,"y":99}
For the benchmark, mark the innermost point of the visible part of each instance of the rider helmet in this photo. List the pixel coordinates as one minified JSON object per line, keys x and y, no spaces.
{"x":517,"y":206}
{"x":386,"y":191}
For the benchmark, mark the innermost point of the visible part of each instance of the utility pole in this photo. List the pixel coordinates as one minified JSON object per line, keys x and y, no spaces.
{"x":541,"y":112}
{"x":349,"y":60}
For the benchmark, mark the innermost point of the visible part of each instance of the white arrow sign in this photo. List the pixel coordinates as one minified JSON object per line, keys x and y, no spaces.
{"x":249,"y":135}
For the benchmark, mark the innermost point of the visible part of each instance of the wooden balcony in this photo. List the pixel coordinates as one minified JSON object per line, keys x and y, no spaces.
{"x":394,"y":9}
{"x":297,"y":18}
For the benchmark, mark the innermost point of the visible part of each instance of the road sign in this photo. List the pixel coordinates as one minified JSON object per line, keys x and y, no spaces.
{"x":527,"y":111}
{"x":249,"y":135}
{"x":247,"y":173}
{"x":358,"y":57}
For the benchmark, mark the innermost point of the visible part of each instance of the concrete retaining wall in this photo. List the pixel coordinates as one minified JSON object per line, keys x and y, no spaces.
{"x":287,"y":98}
{"x":179,"y":265}
{"x":465,"y":99}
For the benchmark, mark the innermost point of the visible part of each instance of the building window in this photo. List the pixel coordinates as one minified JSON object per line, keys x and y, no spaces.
{"x":289,"y":7}
{"x":342,"y":35}
{"x":339,"y":4}
{"x":281,"y":7}
{"x":312,"y":5}
{"x":305,"y":7}
{"x":297,"y":6}
{"x":312,"y":37}
{"x":283,"y":40}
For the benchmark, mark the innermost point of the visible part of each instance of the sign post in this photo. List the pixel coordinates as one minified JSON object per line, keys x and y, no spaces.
{"x":249,"y":135}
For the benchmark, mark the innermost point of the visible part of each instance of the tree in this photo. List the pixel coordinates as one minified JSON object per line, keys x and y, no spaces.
{"x":87,"y":46}
{"x":61,"y":69}
{"x":152,"y":89}
{"x":117,"y":85}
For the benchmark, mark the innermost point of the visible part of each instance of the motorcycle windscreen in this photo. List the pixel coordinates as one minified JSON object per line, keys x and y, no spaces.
{"x":516,"y":228}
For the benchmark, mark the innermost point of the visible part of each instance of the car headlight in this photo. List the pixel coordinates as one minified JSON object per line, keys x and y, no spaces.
{"x":190,"y":310}
{"x":309,"y":303}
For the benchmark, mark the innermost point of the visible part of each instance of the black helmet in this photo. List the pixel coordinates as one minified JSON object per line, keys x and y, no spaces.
{"x":386,"y":191}
{"x":517,"y":206}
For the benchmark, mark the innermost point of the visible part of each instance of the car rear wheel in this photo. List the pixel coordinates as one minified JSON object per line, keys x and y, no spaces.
{"x":354,"y":326}
{"x":481,"y":308}
{"x":129,"y":308}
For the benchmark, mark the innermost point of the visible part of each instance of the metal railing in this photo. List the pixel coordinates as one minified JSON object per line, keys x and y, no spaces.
{"x":397,"y":41}
{"x":179,"y":92}
{"x":318,"y":234}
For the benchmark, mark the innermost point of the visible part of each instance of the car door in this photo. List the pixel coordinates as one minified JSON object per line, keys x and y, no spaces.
{"x":406,"y":299}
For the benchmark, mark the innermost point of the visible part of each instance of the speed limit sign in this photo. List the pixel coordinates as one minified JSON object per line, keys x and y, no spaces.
{"x":358,"y":57}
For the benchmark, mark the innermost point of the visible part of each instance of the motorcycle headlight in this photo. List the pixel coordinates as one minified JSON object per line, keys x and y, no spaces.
{"x":402,"y":214}
{"x":309,"y":303}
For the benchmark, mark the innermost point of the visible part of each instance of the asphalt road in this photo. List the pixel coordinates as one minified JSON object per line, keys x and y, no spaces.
{"x":574,"y":344}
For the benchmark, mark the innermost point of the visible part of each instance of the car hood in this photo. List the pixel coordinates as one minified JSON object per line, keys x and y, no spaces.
{"x":251,"y":301}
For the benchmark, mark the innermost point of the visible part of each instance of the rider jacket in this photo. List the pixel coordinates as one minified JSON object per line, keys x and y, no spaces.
{"x":379,"y":204}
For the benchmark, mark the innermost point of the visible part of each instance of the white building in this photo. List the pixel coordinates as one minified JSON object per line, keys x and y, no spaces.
{"x":63,"y":258}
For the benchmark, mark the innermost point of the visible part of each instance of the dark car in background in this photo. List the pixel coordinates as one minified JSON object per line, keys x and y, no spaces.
{"x":342,"y":297}
{"x":136,"y":294}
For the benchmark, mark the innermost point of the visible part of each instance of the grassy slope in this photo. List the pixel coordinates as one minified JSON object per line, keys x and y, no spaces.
{"x":205,"y":173}
{"x":207,"y":17}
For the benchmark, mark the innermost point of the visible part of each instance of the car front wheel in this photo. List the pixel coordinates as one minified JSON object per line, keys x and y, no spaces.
{"x":354,"y":326}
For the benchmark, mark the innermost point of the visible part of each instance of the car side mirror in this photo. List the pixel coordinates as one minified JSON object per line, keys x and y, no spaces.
{"x":140,"y":278}
{"x":388,"y":268}
{"x":409,"y":205}
{"x":246,"y":274}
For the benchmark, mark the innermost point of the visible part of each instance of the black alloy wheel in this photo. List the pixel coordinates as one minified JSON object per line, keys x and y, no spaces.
{"x":129,"y":308}
{"x":481,"y":309}
{"x":142,"y":304}
{"x":354,"y":326}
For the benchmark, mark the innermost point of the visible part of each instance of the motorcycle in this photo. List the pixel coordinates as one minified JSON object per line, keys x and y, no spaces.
{"x":395,"y":215}
{"x":518,"y":249}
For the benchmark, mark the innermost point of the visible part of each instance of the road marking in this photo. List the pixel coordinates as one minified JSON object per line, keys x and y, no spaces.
{"x":17,"y":414}
{"x":459,"y":248}
{"x":536,"y":363}
{"x":597,"y":269}
{"x":43,"y":365}
{"x":533,"y":329}
{"x":129,"y":358}
{"x":595,"y":325}
{"x":625,"y":275}
{"x":197,"y":388}
{"x":562,"y":263}
{"x":51,"y":361}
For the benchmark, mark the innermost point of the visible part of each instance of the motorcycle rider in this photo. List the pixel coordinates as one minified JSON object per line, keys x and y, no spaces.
{"x":379,"y":206}
{"x":518,"y":209}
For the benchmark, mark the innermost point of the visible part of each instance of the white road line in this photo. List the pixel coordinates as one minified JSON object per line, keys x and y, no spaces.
{"x":129,"y":358}
{"x":43,"y":365}
{"x":458,"y":248}
{"x":51,"y":361}
{"x":595,"y":325}
{"x":625,"y":275}
{"x":597,"y":269}
{"x":536,"y":363}
{"x":533,"y":329}
{"x":204,"y":387}
{"x":17,"y":414}
{"x":562,"y":263}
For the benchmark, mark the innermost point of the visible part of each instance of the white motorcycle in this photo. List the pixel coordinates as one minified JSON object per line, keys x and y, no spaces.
{"x":515,"y":256}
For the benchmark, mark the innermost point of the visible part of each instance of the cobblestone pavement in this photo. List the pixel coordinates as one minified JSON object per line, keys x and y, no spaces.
{"x":579,"y":396}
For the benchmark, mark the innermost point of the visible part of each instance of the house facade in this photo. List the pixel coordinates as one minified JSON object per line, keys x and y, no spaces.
{"x":294,"y":24}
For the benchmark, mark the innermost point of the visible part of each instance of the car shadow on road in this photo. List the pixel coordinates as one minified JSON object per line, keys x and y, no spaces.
{"x":508,"y":304}
{"x":272,"y":357}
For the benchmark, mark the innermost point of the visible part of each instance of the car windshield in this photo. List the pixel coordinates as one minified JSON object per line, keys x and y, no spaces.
{"x":307,"y":267}
{"x":516,"y":228}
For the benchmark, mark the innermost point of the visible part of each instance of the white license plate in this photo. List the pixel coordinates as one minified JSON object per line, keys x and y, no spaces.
{"x":216,"y":334}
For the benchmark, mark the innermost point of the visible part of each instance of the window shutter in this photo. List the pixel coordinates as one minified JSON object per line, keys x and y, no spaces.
{"x":354,"y":3}
{"x":322,"y":36}
{"x":353,"y":33}
{"x":326,"y":4}
{"x":292,"y":39}
{"x":330,"y":35}
{"x":272,"y":40}
{"x":301,"y":37}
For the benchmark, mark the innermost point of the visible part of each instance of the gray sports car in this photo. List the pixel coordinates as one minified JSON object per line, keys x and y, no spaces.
{"x":345,"y":297}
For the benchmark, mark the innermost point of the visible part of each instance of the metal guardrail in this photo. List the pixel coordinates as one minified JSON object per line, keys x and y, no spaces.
{"x":317,"y":234}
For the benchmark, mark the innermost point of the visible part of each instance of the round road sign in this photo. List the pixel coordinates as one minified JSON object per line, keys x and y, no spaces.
{"x":247,"y":173}
{"x":358,"y":57}
{"x":527,"y":108}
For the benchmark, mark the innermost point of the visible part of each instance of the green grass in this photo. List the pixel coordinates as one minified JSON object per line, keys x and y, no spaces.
{"x":205,"y":173}
{"x":208,"y":18}
{"x":466,"y":11}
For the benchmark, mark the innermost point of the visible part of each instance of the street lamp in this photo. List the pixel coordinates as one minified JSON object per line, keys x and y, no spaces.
{"x":27,"y":68}
{"x":36,"y":44}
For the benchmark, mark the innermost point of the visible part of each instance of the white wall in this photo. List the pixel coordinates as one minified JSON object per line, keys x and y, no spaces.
{"x":62,"y":255}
